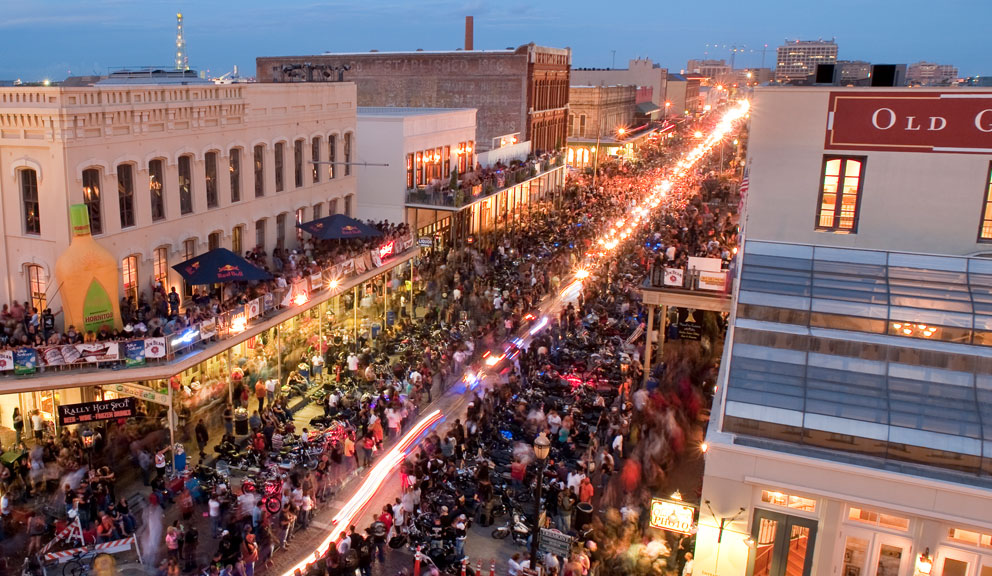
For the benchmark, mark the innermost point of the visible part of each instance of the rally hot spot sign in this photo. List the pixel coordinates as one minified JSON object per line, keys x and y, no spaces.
{"x":95,"y":411}
{"x":673,"y":516}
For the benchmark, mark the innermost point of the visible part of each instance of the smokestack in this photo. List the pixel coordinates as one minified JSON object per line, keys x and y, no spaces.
{"x":469,"y":32}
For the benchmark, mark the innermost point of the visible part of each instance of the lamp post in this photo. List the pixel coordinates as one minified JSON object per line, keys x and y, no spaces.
{"x":542,"y":446}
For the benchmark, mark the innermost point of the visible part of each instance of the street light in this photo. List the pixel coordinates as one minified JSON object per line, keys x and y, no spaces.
{"x":542,"y":446}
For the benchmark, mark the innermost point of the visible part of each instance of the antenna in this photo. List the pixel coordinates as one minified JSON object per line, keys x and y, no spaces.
{"x":182,"y":60}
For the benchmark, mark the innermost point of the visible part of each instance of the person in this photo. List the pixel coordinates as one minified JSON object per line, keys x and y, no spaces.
{"x":249,"y":554}
{"x":460,"y":534}
{"x":37,"y":425}
{"x":318,"y":365}
{"x":260,"y":394}
{"x":513,"y":565}
{"x":36,"y":529}
{"x":213,"y":510}
{"x":202,"y":437}
{"x":687,"y":569}
{"x":18,"y":425}
{"x":173,"y":302}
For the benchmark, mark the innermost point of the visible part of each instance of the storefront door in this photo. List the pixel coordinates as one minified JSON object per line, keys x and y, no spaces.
{"x":955,"y":562}
{"x":868,"y":553}
{"x":783,"y":544}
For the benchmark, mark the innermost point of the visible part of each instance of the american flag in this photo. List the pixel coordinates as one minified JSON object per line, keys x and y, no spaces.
{"x":745,"y":182}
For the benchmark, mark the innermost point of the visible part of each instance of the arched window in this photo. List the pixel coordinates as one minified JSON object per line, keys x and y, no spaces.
{"x":280,"y":152}
{"x":125,"y":194}
{"x":29,"y":201}
{"x":571,"y":156}
{"x":332,"y":148}
{"x":259,"y":172}
{"x":332,"y":207}
{"x":315,"y":156}
{"x":91,"y":197}
{"x":347,"y":153}
{"x":348,"y":201}
{"x":298,"y":162}
{"x":156,"y":188}
{"x":37,"y":286}
{"x":235,"y":169}
{"x":186,"y":183}
{"x":129,"y":279}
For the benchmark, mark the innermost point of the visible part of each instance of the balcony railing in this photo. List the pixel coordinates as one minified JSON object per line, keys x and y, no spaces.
{"x":491,"y":182}
{"x":138,"y":352}
{"x":716,"y":284}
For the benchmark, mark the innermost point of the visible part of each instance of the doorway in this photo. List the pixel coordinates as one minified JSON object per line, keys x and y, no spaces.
{"x":783,"y":544}
{"x":868,"y":553}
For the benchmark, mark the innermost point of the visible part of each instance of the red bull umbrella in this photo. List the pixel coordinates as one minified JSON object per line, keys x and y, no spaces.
{"x":338,"y":227}
{"x":217,"y":266}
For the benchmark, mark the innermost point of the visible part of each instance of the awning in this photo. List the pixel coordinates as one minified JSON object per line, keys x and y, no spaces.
{"x":647,"y":108}
{"x":219,"y":265}
{"x":337,"y":227}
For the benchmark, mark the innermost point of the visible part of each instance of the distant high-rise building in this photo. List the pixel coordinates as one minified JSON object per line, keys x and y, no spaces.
{"x":182,"y":60}
{"x":853,"y":71}
{"x":716,"y":71}
{"x":924,"y":73}
{"x":798,"y":59}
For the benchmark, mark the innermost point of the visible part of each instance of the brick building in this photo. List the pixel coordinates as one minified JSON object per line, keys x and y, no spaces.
{"x":522,"y":92}
{"x":650,"y":78}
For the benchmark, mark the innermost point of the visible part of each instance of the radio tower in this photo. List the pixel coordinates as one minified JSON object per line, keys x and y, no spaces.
{"x":182,"y":61}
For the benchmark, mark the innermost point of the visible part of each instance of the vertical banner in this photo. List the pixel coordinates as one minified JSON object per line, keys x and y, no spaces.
{"x":134,"y":352}
{"x":254,"y":308}
{"x":25,"y":360}
{"x":6,"y":360}
{"x":154,"y":347}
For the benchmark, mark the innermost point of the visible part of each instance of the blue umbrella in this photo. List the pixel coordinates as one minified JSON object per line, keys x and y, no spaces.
{"x":338,"y":227}
{"x":219,"y":265}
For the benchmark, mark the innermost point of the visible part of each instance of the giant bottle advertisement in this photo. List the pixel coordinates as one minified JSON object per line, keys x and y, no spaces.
{"x":87,"y":273}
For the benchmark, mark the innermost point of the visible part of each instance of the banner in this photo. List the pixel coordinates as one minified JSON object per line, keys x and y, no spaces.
{"x":6,"y":360}
{"x":134,"y":352}
{"x":360,"y":265}
{"x":254,"y":308}
{"x":69,"y":354}
{"x":368,"y":261}
{"x":25,"y":360}
{"x":376,"y":260}
{"x":673,"y":277}
{"x":716,"y":281}
{"x":208,"y":329}
{"x":316,"y":282}
{"x":689,"y":327}
{"x":52,"y":356}
{"x":98,"y":351}
{"x":96,"y":411}
{"x":154,"y":347}
{"x":347,"y":267}
{"x":140,"y":392}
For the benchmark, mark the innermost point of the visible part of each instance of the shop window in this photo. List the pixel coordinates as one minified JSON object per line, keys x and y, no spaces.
{"x":840,"y":194}
{"x":259,"y":172}
{"x":788,"y":501}
{"x":279,"y":159}
{"x":125,"y":194}
{"x":30,"y":201}
{"x":234,"y":168}
{"x":315,"y":156}
{"x":237,"y":240}
{"x":879,"y":519}
{"x":210,"y":178}
{"x":985,"y":231}
{"x":37,"y":286}
{"x":298,"y":163}
{"x":156,"y":185}
{"x":185,"y":184}
{"x":129,"y":278}
{"x":332,"y":148}
{"x":91,"y":197}
{"x":160,"y":265}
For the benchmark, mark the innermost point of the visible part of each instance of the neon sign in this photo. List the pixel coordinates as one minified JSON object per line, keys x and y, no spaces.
{"x":387,"y":249}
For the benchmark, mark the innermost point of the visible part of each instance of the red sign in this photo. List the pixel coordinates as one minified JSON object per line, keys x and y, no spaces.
{"x":911,"y":121}
{"x":387,"y":249}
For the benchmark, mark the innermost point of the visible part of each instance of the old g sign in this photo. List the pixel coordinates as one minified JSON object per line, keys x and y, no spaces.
{"x":913,"y":121}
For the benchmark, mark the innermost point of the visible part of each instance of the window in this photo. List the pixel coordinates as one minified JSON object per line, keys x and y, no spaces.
{"x":985,"y":232}
{"x":235,"y":169}
{"x":420,"y":169}
{"x":298,"y":162}
{"x":332,"y":147}
{"x":279,"y":153}
{"x":318,"y":210}
{"x":189,"y":252}
{"x":300,"y":215}
{"x":315,"y":156}
{"x":259,"y":172}
{"x":91,"y":197}
{"x":156,"y":181}
{"x":461,"y":157}
{"x":840,"y":194}
{"x":37,"y":285}
{"x":969,"y":537}
{"x":571,"y":125}
{"x":582,"y":125}
{"x":469,"y":158}
{"x":160,"y":265}
{"x":437,"y":164}
{"x":281,"y":230}
{"x":878,"y":519}
{"x":185,"y":184}
{"x":237,"y":240}
{"x":788,"y":501}
{"x":347,"y":154}
{"x":129,"y":278}
{"x":210,"y":173}
{"x":446,"y":158}
{"x":125,"y":194}
{"x":409,"y":171}
{"x":347,"y":205}
{"x":260,"y":234}
{"x":332,"y":207}
{"x":213,"y":241}
{"x":30,"y":202}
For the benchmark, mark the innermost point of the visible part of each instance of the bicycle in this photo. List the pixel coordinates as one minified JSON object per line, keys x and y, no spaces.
{"x":76,"y":567}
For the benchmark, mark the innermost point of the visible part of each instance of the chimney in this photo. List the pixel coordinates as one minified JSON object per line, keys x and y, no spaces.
{"x":469,"y":33}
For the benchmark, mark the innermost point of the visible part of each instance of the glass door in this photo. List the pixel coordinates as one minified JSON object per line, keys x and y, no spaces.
{"x":953,"y":562}
{"x":868,"y":553}
{"x":783,"y":544}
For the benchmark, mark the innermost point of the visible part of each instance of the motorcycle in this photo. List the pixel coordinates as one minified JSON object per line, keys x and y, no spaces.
{"x":515,"y":526}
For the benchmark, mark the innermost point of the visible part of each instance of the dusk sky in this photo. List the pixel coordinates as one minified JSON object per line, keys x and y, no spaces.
{"x":47,"y":38}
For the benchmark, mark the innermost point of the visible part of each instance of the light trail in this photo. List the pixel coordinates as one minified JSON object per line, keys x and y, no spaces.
{"x":368,"y":489}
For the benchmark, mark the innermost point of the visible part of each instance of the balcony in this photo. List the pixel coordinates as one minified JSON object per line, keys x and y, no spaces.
{"x":690,"y":288}
{"x":481,"y":184}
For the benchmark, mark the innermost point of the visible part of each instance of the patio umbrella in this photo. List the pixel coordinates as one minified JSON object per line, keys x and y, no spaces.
{"x":218,"y":266}
{"x":338,"y":227}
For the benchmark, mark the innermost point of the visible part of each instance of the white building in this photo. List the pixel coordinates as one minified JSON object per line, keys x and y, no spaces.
{"x":420,"y":145}
{"x":169,"y":169}
{"x":798,"y":59}
{"x":849,"y":436}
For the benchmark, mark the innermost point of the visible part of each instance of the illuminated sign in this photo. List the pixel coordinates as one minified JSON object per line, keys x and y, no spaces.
{"x":912,"y":121}
{"x":387,"y":249}
{"x":672,"y":516}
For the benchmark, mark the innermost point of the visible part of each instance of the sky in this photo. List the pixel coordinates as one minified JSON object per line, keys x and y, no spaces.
{"x":50,"y":39}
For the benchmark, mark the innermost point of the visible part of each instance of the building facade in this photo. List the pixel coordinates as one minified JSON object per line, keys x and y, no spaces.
{"x":683,"y":95}
{"x":931,"y":74}
{"x":640,"y":72}
{"x":715,"y":71}
{"x":848,"y":431}
{"x":798,"y":59}
{"x":521,"y":92}
{"x":167,"y":172}
{"x":599,"y":116}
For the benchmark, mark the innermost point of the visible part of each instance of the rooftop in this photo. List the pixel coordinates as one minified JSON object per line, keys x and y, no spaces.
{"x":401,"y":112}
